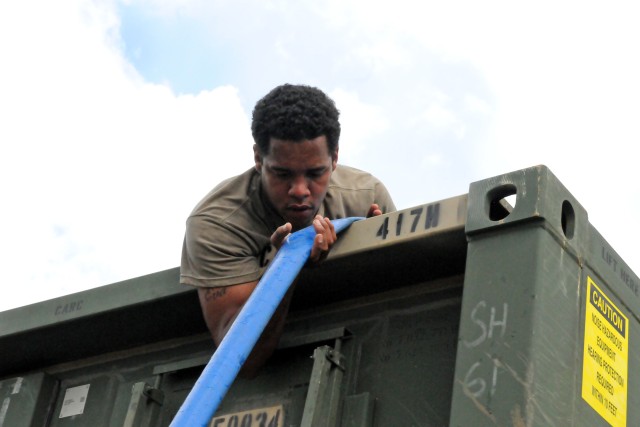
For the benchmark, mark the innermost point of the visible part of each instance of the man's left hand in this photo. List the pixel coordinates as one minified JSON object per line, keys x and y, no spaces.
{"x":324,"y":240}
{"x":374,"y":210}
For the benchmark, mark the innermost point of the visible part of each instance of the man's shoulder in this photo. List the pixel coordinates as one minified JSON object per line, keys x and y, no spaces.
{"x":347,"y":177}
{"x":352,"y":192}
{"x":228,"y":196}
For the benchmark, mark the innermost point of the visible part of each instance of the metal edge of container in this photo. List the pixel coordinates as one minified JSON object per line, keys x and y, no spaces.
{"x":155,"y":307}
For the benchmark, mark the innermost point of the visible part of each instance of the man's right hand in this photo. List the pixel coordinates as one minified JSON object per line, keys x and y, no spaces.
{"x":280,"y":235}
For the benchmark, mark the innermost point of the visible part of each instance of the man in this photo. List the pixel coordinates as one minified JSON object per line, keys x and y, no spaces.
{"x":296,"y":182}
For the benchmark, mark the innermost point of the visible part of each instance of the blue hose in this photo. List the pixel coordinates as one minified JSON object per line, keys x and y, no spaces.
{"x":216,"y":378}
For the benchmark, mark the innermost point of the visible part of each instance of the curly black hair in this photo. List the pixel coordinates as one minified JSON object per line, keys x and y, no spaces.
{"x":295,"y":113}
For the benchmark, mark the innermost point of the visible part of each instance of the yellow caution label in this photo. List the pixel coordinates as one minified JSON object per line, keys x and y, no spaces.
{"x":605,"y":358}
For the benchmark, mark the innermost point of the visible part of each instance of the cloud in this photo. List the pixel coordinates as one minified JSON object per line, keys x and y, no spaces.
{"x":360,"y":122}
{"x":100,"y":169}
{"x":101,"y":162}
{"x":441,"y":117}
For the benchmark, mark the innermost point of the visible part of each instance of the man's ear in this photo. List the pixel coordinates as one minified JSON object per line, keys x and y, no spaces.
{"x":334,"y":159}
{"x":257,"y":158}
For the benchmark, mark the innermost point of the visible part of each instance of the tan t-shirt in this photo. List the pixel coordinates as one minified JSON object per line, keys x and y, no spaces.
{"x":227,"y":241}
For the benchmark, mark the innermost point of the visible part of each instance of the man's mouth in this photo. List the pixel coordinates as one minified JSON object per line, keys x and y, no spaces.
{"x":299,"y":214}
{"x":298,"y":208}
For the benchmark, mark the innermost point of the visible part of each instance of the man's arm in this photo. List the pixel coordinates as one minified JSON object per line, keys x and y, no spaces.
{"x":221,"y":305}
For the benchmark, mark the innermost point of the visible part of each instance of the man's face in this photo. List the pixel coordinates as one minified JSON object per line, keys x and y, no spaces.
{"x":295,"y":177}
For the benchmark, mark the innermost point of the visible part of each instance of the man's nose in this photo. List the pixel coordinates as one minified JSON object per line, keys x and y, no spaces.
{"x":299,"y":187}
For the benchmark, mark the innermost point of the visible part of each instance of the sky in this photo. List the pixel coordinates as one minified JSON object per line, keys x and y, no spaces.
{"x":116,"y":117}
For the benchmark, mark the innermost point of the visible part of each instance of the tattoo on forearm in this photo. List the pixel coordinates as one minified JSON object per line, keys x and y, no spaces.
{"x":214,"y":293}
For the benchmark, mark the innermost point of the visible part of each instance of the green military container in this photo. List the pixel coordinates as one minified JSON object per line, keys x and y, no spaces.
{"x":470,"y":311}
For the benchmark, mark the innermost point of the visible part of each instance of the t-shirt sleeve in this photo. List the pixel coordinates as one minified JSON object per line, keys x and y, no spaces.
{"x":214,"y":255}
{"x":383,"y":198}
